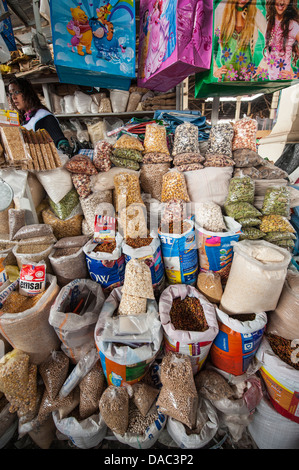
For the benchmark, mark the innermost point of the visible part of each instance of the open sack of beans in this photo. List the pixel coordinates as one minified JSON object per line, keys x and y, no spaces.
{"x":24,"y":321}
{"x":106,"y":262}
{"x":74,"y":315}
{"x":122,"y":362}
{"x":187,"y":317}
{"x":68,"y":259}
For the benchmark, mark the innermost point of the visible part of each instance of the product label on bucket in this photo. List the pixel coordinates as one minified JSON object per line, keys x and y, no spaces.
{"x":32,"y":279}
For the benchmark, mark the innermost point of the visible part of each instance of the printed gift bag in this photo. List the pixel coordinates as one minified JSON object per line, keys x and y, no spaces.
{"x":94,"y":42}
{"x":254,"y":50}
{"x":175,"y":41}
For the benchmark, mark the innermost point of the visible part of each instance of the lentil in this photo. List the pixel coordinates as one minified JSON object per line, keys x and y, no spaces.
{"x":155,"y":139}
{"x":188,"y":315}
{"x":282,"y":348}
{"x":245,"y":134}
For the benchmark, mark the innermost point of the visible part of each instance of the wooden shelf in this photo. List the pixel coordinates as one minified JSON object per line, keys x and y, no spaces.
{"x":103,"y":115}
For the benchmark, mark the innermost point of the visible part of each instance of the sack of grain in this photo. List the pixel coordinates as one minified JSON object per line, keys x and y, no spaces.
{"x":76,"y":329}
{"x":30,"y":330}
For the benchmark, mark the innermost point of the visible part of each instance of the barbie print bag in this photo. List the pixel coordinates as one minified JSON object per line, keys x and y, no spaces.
{"x":175,"y":41}
{"x":255,"y":48}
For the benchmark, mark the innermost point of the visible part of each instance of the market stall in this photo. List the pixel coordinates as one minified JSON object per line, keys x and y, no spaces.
{"x":149,"y":288}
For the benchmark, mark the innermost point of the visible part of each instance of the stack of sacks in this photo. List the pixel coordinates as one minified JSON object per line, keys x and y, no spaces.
{"x":127,"y":152}
{"x":239,"y":206}
{"x":275,"y":221}
{"x":185,"y":150}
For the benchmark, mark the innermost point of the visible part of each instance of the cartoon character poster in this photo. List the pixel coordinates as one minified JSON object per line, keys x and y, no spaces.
{"x":175,"y":38}
{"x":255,"y":45}
{"x":96,"y":37}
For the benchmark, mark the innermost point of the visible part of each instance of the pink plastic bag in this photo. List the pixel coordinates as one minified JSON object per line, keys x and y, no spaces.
{"x":175,"y":41}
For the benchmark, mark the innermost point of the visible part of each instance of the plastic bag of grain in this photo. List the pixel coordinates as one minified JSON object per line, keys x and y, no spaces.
{"x":206,"y":427}
{"x":256,"y":278}
{"x":30,"y":330}
{"x":74,"y":315}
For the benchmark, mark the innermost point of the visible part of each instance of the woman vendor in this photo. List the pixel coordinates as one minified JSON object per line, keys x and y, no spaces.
{"x":33,"y":114}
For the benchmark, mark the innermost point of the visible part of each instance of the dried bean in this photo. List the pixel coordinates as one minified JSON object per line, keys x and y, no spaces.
{"x":282,"y":348}
{"x":220,"y":140}
{"x":102,"y":153}
{"x":82,"y":185}
{"x":188,"y":315}
{"x":185,"y":139}
{"x":217,"y":160}
{"x":54,"y":372}
{"x":114,"y":408}
{"x":245,"y":130}
{"x":156,"y":157}
{"x":143,"y":397}
{"x":188,"y":157}
{"x":189,"y":167}
{"x":138,"y":423}
{"x":212,"y":385}
{"x":16,"y":220}
{"x":151,"y":177}
{"x":127,"y":190}
{"x":81,"y":164}
{"x":91,"y":389}
{"x":209,"y":216}
{"x":246,"y":158}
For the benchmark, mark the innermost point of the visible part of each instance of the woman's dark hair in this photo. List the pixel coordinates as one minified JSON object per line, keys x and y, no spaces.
{"x":30,"y":96}
{"x":290,"y":14}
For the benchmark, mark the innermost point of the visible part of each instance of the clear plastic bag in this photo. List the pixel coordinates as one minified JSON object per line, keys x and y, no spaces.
{"x":189,"y":167}
{"x":82,"y":184}
{"x":16,"y":220}
{"x":276,"y":223}
{"x":209,"y":284}
{"x":185,"y":139}
{"x":82,"y":102}
{"x":218,"y":160}
{"x":155,"y":139}
{"x":125,"y":163}
{"x":102,"y":153}
{"x":187,"y":158}
{"x":54,"y":372}
{"x":251,"y":233}
{"x":247,"y":158}
{"x":241,"y":190}
{"x":127,"y":141}
{"x":208,"y":215}
{"x":277,"y":201}
{"x":127,"y":190}
{"x":67,"y":206}
{"x":250,"y":222}
{"x":133,"y":221}
{"x":63,"y":228}
{"x":130,"y":154}
{"x":138,"y":280}
{"x":144,"y":396}
{"x":174,"y":187}
{"x":245,"y":130}
{"x":156,"y":157}
{"x":220,"y":140}
{"x":81,"y":164}
{"x":114,"y":408}
{"x":241,"y":210}
{"x":151,"y":177}
{"x":91,"y":389}
{"x":33,"y":231}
